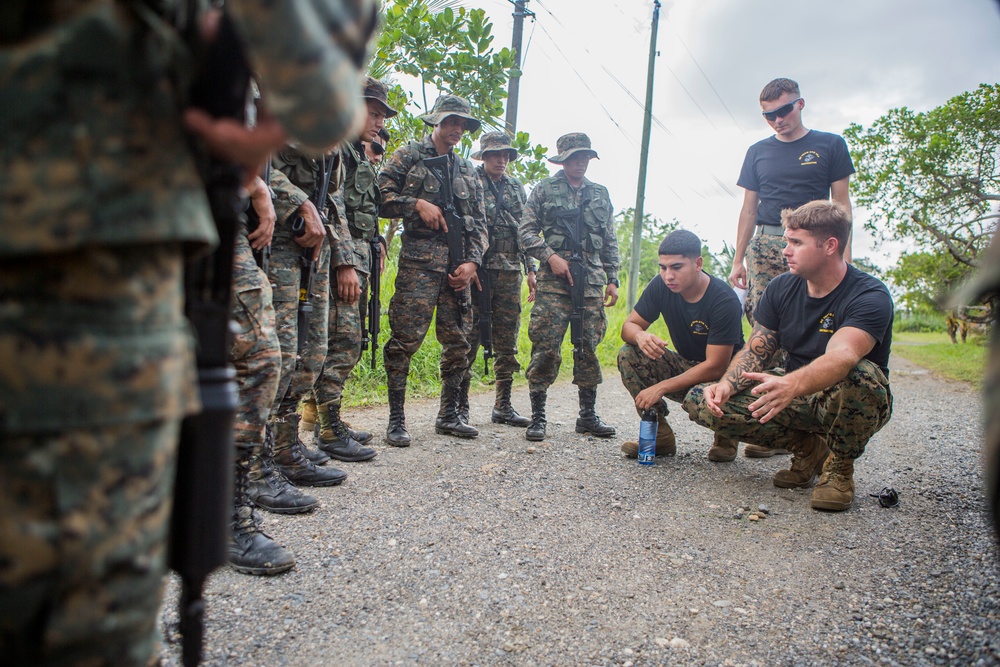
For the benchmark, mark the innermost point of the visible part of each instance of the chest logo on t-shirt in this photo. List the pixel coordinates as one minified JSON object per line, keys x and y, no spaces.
{"x":699,"y":328}
{"x":826,"y":323}
{"x":809,"y":157}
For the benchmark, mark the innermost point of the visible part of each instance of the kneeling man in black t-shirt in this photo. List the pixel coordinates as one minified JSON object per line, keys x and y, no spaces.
{"x":834,"y":323}
{"x":703,"y":317}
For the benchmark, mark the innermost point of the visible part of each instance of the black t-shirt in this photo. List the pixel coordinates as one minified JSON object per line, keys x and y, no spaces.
{"x":806,"y":324}
{"x":713,"y":320}
{"x":788,"y":174}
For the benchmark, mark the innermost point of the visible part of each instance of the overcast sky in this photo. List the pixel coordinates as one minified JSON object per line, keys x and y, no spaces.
{"x":586,"y":61}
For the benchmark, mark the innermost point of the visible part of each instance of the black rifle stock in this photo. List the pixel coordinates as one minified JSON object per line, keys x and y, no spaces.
{"x":572,"y":222}
{"x":203,"y":487}
{"x":307,"y":274}
{"x":374,"y":309}
{"x":485,"y":316}
{"x":455,"y":236}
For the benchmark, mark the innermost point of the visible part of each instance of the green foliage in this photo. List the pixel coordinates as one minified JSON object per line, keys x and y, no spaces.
{"x":653,"y":231}
{"x":935,"y":352}
{"x":933,"y":179}
{"x":924,"y":276}
{"x":920,"y":320}
{"x":449,"y":50}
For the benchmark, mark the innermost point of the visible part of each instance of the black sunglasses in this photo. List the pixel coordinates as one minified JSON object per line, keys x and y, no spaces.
{"x":781,"y":112}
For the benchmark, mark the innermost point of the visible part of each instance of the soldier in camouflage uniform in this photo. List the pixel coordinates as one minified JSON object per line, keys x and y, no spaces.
{"x":359,"y":198}
{"x":423,"y":283}
{"x":544,"y":237}
{"x":505,"y":261}
{"x":834,"y":324}
{"x":96,"y":209}
{"x":784,"y":171}
{"x":295,"y":178}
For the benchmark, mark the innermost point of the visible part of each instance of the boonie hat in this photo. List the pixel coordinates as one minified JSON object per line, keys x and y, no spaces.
{"x":573,"y":142}
{"x":495,"y":142}
{"x":379,"y":92}
{"x":451,"y":105}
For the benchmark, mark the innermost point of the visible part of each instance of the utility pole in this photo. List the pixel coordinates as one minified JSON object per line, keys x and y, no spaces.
{"x":640,"y":191}
{"x":515,"y":45}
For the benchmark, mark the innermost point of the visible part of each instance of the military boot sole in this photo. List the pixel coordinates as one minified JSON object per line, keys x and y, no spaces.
{"x":358,"y":455}
{"x":597,"y":434}
{"x":458,"y":433}
{"x":277,"y":509}
{"x":510,"y":420}
{"x":831,"y":505}
{"x":398,"y":442}
{"x":327,"y":480}
{"x":262,"y":571}
{"x":534,"y":437}
{"x":758,"y":452}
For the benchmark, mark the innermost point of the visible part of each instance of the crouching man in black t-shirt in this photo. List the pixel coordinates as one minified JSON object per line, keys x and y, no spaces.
{"x":703,"y":317}
{"x":834,"y":323}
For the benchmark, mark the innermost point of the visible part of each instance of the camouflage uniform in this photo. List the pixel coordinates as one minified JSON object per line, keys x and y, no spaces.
{"x":847,"y":414}
{"x":96,"y":206}
{"x":765,"y":259}
{"x":639,"y":372}
{"x":421,"y":282}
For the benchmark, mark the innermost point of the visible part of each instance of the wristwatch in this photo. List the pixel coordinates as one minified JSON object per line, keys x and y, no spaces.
{"x":615,"y":282}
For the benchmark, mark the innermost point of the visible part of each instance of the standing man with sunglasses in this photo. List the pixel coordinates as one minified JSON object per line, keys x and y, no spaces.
{"x":791,"y":168}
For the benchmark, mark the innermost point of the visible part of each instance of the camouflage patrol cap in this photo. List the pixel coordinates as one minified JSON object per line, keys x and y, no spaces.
{"x":573,"y":142}
{"x":451,"y":105}
{"x":495,"y":142}
{"x":379,"y":92}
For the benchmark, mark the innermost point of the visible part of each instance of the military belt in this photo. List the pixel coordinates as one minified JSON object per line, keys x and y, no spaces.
{"x":770,"y":230}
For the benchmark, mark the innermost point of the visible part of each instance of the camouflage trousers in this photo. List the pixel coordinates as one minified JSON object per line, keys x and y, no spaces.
{"x":344,"y":347}
{"x":256,"y":352}
{"x":847,"y":414}
{"x":299,"y":368}
{"x":639,"y":372}
{"x":418,"y":293}
{"x":546,"y":330}
{"x":506,"y":312}
{"x":991,"y":412}
{"x":765,"y":261}
{"x":98,"y":369}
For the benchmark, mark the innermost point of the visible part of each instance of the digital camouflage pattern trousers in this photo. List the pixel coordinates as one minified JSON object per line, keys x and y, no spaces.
{"x":765,"y":261}
{"x":639,"y":372}
{"x":847,"y":414}
{"x":419,"y":293}
{"x":506,"y":311}
{"x":546,"y":330}
{"x":344,"y":345}
{"x":299,"y":368}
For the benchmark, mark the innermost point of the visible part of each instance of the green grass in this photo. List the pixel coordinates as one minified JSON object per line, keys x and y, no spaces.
{"x":935,"y":352}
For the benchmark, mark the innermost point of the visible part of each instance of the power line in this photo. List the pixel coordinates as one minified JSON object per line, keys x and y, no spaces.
{"x":709,"y":81}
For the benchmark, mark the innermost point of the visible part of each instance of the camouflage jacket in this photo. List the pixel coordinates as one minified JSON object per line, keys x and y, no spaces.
{"x":304,"y":175}
{"x":505,"y":252}
{"x":361,"y":200}
{"x":404,"y":179}
{"x":542,"y":235}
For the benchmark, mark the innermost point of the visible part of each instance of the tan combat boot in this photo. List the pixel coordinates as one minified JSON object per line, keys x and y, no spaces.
{"x":723,"y":449}
{"x":835,"y":489}
{"x":666,"y":444}
{"x":758,"y":452}
{"x":307,"y":419}
{"x":808,"y":455}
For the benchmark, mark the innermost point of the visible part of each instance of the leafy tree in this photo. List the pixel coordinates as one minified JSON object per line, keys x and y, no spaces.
{"x":448,"y":49}
{"x":933,"y":178}
{"x":653,"y":231}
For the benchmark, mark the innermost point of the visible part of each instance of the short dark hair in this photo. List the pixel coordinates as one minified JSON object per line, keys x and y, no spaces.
{"x":377,"y":148}
{"x":777,"y":88}
{"x":681,"y":242}
{"x":821,"y":219}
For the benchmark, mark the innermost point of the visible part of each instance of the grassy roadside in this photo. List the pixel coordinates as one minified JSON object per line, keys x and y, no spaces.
{"x":935,"y":352}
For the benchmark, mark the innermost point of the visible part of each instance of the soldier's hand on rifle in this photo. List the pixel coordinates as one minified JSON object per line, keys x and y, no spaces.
{"x":716,"y":396}
{"x":650,"y":344}
{"x":260,"y":199}
{"x":560,"y":267}
{"x":532,"y":286}
{"x":348,"y":286}
{"x":463,"y":275}
{"x":610,"y":296}
{"x":431,"y":215}
{"x":314,"y":232}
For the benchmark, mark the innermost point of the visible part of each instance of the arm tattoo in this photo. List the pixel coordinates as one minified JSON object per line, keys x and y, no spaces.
{"x":753,"y":358}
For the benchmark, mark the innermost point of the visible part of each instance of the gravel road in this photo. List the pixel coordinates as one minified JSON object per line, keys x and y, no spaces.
{"x":497,"y":551}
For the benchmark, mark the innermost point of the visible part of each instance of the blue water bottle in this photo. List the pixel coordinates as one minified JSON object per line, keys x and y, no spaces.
{"x":647,"y":438}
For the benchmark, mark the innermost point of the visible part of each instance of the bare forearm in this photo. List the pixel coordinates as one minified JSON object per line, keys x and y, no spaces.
{"x":753,"y":358}
{"x":744,"y":232}
{"x":823,"y":372}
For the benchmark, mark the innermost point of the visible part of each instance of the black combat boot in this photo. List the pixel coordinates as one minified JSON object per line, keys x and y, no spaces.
{"x":588,"y":421}
{"x":364,"y":437}
{"x":395,"y":433}
{"x":270,"y":490}
{"x":463,"y":401}
{"x":448,"y":422}
{"x":503,"y":411}
{"x":335,"y":439}
{"x":251,"y":551}
{"x":289,"y":455}
{"x":536,"y":428}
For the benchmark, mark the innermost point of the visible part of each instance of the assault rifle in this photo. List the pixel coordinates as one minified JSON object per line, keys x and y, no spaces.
{"x":262,"y":256}
{"x":572,"y":223}
{"x":369,"y":333}
{"x":203,"y":487}
{"x":308,"y":272}
{"x":485,"y":316}
{"x":455,"y":236}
